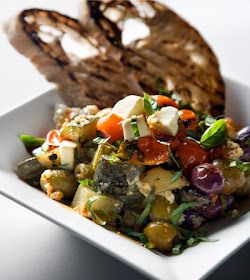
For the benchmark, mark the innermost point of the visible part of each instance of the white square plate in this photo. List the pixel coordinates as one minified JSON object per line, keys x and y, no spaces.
{"x":35,"y":117}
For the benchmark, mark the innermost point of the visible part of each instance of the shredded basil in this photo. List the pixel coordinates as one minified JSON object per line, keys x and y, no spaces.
{"x":177,"y":213}
{"x":215,"y":135}
{"x":147,"y":208}
{"x":31,"y":142}
{"x":174,"y":160}
{"x":176,"y":176}
{"x":135,"y":128}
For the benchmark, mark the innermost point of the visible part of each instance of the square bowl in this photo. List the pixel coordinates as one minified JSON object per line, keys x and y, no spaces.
{"x":35,"y":117}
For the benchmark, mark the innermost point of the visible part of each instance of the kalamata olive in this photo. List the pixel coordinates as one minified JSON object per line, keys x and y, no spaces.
{"x":243,"y":137}
{"x":234,"y":177}
{"x":207,"y":179}
{"x":161,"y":209}
{"x":161,"y":235}
{"x":192,"y":219}
{"x":217,"y":209}
{"x":84,"y":171}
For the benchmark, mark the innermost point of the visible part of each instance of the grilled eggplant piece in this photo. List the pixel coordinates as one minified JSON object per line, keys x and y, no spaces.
{"x":173,"y":50}
{"x":29,"y":169}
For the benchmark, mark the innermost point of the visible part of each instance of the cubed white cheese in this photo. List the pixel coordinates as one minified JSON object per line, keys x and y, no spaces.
{"x":67,"y":154}
{"x":129,"y":106}
{"x":165,"y":121}
{"x":142,"y":128}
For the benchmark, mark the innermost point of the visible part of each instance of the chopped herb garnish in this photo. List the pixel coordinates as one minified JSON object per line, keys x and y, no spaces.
{"x":135,"y":128}
{"x":243,"y":166}
{"x":176,"y":176}
{"x":215,"y":135}
{"x":176,"y":250}
{"x":31,"y":142}
{"x":177,"y":213}
{"x":150,"y":105}
{"x":147,"y":208}
{"x":87,"y":182}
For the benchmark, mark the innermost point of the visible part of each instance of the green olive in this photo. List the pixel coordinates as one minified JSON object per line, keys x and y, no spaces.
{"x":84,"y":171}
{"x":161,"y":209}
{"x":161,"y":235}
{"x":58,"y":180}
{"x":234,"y":177}
{"x":107,"y":208}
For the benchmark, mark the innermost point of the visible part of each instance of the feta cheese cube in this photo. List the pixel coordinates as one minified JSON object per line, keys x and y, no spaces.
{"x":129,"y":106}
{"x":142,"y":128}
{"x":67,"y":154}
{"x":165,"y":121}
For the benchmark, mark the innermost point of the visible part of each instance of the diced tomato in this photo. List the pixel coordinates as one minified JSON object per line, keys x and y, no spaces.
{"x":153,"y":152}
{"x":111,"y":126}
{"x":186,"y":115}
{"x":164,"y":101}
{"x":53,"y":138}
{"x":188,"y":121}
{"x":191,"y":154}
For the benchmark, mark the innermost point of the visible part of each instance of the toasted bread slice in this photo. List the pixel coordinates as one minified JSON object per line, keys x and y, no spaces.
{"x":173,"y":51}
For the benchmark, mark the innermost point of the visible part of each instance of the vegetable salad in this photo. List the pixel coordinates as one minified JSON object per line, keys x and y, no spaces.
{"x":150,"y":167}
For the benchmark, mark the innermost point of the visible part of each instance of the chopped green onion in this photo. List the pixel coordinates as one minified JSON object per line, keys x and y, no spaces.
{"x":87,"y":182}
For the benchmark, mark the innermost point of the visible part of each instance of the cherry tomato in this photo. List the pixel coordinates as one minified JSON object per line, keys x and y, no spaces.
{"x":153,"y":152}
{"x":191,"y":154}
{"x":53,"y":138}
{"x":111,"y":126}
{"x":164,"y":101}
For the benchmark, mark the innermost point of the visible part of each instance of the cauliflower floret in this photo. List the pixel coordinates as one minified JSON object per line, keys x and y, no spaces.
{"x":232,"y":150}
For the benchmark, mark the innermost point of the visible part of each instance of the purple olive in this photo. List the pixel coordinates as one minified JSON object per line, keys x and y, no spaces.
{"x":218,"y":208}
{"x":207,"y":179}
{"x":192,"y":219}
{"x":243,"y":138}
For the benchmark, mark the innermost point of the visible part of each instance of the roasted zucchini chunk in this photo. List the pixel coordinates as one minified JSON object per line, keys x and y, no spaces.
{"x":81,"y":129}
